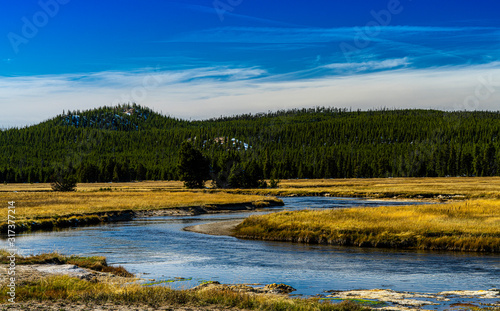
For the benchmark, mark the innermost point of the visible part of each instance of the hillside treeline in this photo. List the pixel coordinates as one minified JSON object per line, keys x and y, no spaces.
{"x":130,"y":142}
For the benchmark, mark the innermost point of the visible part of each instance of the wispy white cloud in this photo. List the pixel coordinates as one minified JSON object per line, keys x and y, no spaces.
{"x":311,"y":35}
{"x":228,"y":14}
{"x":426,"y":46}
{"x":368,"y":66}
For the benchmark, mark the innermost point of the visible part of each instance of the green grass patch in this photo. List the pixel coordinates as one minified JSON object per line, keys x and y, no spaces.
{"x":167,"y":281}
{"x":363,"y":302}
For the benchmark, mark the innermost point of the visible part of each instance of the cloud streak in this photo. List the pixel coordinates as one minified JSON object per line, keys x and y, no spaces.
{"x":227,"y":14}
{"x":368,"y":66}
{"x":425,"y":46}
{"x":315,"y":35}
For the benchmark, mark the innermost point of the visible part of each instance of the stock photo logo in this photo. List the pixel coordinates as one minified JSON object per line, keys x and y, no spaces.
{"x":31,"y":26}
{"x":365,"y":35}
{"x":224,"y":6}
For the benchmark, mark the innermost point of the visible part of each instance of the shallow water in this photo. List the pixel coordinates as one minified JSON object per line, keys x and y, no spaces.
{"x":157,"y":248}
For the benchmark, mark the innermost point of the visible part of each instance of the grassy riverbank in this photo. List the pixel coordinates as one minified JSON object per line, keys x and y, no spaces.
{"x":456,"y":188}
{"x":461,"y":226}
{"x":96,"y":263}
{"x":58,"y":204}
{"x":38,"y":208}
{"x":72,"y":290}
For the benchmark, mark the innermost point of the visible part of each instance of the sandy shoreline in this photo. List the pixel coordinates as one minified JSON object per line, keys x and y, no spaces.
{"x":216,"y":228}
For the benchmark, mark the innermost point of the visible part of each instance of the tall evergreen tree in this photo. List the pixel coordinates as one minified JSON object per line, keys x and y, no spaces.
{"x":193,"y":166}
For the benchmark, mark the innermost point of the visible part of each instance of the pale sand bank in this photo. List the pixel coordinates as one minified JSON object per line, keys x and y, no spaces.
{"x":216,"y":228}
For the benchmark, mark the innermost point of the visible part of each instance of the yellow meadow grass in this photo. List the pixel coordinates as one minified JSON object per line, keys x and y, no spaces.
{"x":449,"y":187}
{"x":467,"y":226}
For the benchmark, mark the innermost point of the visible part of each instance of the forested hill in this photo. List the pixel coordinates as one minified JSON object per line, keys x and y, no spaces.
{"x":131,"y":142}
{"x":120,"y":118}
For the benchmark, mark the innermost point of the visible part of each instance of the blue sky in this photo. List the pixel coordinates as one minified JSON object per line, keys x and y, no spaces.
{"x":200,"y":59}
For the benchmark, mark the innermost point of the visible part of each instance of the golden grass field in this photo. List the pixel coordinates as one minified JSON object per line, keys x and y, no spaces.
{"x":470,"y":187}
{"x":472,"y":225}
{"x":126,"y":186}
{"x":447,"y":187}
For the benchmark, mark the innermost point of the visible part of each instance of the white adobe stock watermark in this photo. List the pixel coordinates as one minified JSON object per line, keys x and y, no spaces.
{"x":140,"y":92}
{"x":31,"y":26}
{"x":365,"y":35}
{"x":482,"y":92}
{"x":223,"y":6}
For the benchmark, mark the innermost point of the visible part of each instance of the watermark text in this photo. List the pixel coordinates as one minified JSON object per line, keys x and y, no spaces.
{"x":365,"y":35}
{"x":223,"y":6}
{"x":31,"y":26}
{"x":11,"y":239}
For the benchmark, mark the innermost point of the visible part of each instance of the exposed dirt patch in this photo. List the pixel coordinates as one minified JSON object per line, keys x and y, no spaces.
{"x":216,"y":228}
{"x":406,"y":301}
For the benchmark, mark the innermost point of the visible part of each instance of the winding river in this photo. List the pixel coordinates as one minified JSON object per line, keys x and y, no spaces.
{"x":157,"y":248}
